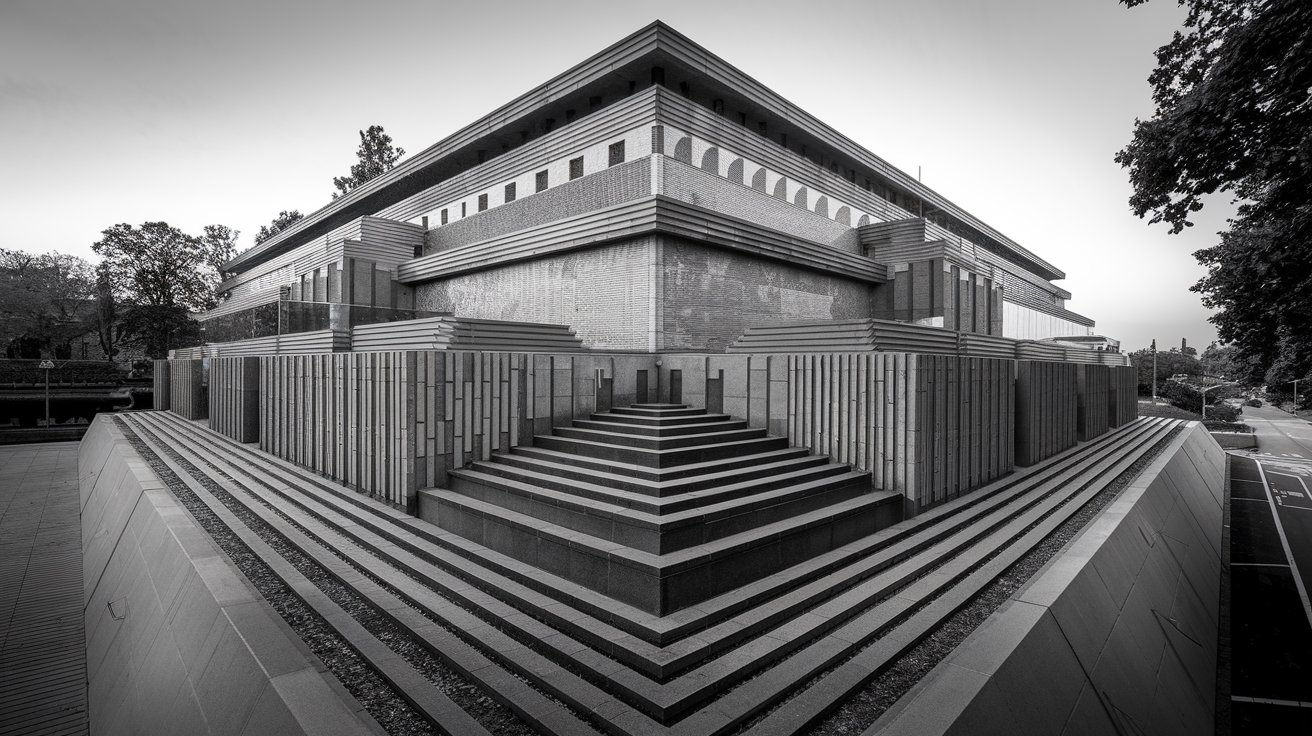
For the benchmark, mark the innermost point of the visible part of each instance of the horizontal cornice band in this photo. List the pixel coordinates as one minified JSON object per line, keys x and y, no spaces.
{"x":651,"y":215}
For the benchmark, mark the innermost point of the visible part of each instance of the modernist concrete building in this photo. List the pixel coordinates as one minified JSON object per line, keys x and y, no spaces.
{"x":655,"y":199}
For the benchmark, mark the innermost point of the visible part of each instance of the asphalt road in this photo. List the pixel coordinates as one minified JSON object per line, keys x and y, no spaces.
{"x":1270,"y":576}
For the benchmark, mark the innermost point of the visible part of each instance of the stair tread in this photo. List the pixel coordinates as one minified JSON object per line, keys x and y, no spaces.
{"x":687,"y":618}
{"x":685,"y":473}
{"x":713,"y":509}
{"x":677,"y":560}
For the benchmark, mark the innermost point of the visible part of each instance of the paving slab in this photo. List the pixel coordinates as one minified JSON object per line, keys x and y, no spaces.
{"x":40,"y":525}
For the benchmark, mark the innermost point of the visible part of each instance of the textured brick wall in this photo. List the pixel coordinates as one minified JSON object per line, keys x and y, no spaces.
{"x":710,"y":296}
{"x":603,"y":293}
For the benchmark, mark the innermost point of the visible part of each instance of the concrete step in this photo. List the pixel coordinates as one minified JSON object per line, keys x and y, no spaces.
{"x":658,"y":410}
{"x":661,"y":583}
{"x":659,"y":421}
{"x":705,"y":438}
{"x":659,"y":458}
{"x":659,"y":430}
{"x":702,"y":518}
{"x":788,"y":652}
{"x":617,"y":473}
{"x":659,"y":497}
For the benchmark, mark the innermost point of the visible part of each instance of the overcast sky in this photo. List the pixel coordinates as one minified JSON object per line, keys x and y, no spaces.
{"x":227,"y":112}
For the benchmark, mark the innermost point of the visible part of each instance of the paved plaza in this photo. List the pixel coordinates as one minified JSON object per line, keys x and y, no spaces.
{"x":42,"y":653}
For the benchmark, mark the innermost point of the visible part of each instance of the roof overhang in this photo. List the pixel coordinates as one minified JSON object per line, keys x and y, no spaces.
{"x":608,"y":74}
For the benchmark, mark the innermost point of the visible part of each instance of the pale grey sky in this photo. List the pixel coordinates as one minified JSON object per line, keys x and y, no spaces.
{"x":227,"y":112}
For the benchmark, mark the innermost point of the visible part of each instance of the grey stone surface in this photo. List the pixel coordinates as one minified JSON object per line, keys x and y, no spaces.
{"x":1122,"y":622}
{"x":176,"y":639}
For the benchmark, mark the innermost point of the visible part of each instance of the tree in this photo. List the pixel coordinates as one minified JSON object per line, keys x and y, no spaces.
{"x":280,"y":223}
{"x":161,"y":274}
{"x":1233,"y":117}
{"x":109,"y":330}
{"x":376,"y":155}
{"x":220,"y":245}
{"x":45,"y":301}
{"x":1169,"y":363}
{"x":1222,"y":360}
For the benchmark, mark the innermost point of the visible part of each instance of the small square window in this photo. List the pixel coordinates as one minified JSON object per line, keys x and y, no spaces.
{"x":482,"y":202}
{"x":542,"y":180}
{"x":444,"y":217}
{"x":510,"y":192}
{"x":616,"y":153}
{"x":575,"y":168}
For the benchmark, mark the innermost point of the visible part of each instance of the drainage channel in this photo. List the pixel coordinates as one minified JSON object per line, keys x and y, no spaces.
{"x":387,"y":706}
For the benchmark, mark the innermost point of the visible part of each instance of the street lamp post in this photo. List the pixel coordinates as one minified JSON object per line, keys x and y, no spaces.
{"x":47,"y":365}
{"x":1154,"y":371}
{"x":1204,"y":391}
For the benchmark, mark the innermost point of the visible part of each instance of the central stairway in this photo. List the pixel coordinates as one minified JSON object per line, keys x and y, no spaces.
{"x":660,"y":506}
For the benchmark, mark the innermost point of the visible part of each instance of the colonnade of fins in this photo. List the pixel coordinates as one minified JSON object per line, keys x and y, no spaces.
{"x":388,"y":423}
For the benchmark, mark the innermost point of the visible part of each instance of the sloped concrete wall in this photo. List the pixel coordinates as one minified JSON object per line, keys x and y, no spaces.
{"x":177,"y":641}
{"x":1116,"y":635}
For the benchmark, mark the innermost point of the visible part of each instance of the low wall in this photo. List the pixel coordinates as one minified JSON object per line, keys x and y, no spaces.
{"x":1046,"y":410}
{"x":1117,"y":634}
{"x":177,"y":642}
{"x":1235,"y":440}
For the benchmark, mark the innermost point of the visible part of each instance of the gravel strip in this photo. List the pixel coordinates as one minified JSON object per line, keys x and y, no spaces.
{"x":864,"y":708}
{"x":393,"y":713}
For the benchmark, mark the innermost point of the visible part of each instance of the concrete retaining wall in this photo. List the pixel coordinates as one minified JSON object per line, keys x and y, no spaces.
{"x":1116,"y":635}
{"x":177,"y":641}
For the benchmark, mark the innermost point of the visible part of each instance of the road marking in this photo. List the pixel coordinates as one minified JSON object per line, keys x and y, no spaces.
{"x":1258,"y":564}
{"x":1284,"y":542}
{"x":1271,"y":701}
{"x":1298,"y":478}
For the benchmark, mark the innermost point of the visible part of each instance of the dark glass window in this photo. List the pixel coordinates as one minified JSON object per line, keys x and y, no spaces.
{"x":444,"y":217}
{"x":575,"y":168}
{"x":510,"y":192}
{"x":542,"y":180}
{"x":616,"y":153}
{"x":482,"y":202}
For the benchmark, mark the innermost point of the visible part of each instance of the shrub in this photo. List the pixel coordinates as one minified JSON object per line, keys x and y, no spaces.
{"x":1227,"y":426}
{"x":1253,"y":402}
{"x":1222,"y":412}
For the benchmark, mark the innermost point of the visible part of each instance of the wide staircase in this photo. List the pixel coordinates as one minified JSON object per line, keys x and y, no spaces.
{"x":660,"y":506}
{"x":774,"y":644}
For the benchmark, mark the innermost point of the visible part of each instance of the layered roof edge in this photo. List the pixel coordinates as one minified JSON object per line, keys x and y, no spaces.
{"x":655,"y":39}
